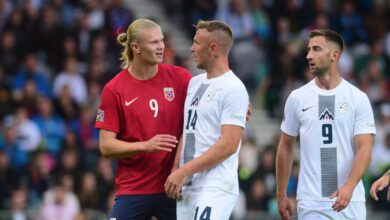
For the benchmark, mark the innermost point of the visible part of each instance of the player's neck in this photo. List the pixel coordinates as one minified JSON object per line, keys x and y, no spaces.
{"x":217,"y":68}
{"x":142,"y":71}
{"x":328,"y":81}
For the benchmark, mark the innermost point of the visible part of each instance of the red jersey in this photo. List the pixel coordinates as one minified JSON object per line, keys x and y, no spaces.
{"x":137,"y":110}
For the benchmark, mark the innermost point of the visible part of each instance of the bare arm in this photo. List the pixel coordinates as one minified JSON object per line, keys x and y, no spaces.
{"x":362,"y":160}
{"x":216,"y":154}
{"x":176,"y":162}
{"x":110,"y":146}
{"x":284,"y":161}
{"x":360,"y":165}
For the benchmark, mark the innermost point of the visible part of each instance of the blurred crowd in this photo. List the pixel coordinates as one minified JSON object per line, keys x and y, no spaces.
{"x":56,"y":56}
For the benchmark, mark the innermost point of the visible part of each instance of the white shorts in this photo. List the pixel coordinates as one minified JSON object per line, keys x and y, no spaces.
{"x":210,"y":204}
{"x":318,"y":210}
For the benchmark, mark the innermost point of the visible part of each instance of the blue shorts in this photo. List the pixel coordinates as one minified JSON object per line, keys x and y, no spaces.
{"x":143,"y":207}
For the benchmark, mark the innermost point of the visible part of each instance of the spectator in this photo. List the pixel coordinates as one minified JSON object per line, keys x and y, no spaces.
{"x":29,"y":135}
{"x":52,"y":126}
{"x":350,"y":24}
{"x":19,"y":204}
{"x":28,"y":71}
{"x":261,"y":21}
{"x":118,"y":16}
{"x":88,"y":192}
{"x":6,"y":7}
{"x":95,"y":15}
{"x":59,"y":206}
{"x":105,"y":177}
{"x":7,"y":102}
{"x":10,"y":145}
{"x":47,"y":35}
{"x":68,"y":168}
{"x":9,"y":55}
{"x":39,"y":175}
{"x":71,"y":77}
{"x":66,"y":106}
{"x":9,"y":177}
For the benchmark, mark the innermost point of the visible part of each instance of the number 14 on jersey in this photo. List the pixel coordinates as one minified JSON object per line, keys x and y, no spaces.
{"x":191,"y":120}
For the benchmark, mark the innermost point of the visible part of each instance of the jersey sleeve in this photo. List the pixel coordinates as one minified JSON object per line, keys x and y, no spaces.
{"x":235,"y":106}
{"x":364,"y":118}
{"x":107,"y":117}
{"x":290,"y":122}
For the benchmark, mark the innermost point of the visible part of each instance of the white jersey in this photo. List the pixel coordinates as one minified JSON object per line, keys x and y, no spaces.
{"x":211,"y":103}
{"x":327,"y":121}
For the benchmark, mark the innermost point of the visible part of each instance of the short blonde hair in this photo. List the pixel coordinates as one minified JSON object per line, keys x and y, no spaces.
{"x":222,"y":31}
{"x":131,"y":35}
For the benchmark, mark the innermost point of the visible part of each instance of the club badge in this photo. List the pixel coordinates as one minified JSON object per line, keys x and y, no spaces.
{"x":169,"y":93}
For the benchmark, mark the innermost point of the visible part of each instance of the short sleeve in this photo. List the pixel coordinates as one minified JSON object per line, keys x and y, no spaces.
{"x":107,"y":117}
{"x":235,"y":106}
{"x":290,"y":123}
{"x":364,"y":118}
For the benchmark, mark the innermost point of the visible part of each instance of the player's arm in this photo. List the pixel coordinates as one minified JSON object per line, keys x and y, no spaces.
{"x":216,"y":154}
{"x":110,"y":146}
{"x":284,"y":161}
{"x":179,"y":149}
{"x":362,"y":160}
{"x":381,"y":184}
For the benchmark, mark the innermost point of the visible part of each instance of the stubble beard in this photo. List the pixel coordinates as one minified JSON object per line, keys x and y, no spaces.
{"x":317,"y":72}
{"x":201,"y":66}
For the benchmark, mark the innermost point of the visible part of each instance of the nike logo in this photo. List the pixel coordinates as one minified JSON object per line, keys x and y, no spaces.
{"x":129,"y":103}
{"x":305,"y":109}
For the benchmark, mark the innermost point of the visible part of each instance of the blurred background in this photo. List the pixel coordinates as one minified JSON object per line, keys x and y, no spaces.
{"x":56,"y":56}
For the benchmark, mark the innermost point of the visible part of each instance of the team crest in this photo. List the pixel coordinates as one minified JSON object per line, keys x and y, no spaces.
{"x":326,"y":115}
{"x":169,"y":93}
{"x":210,"y":95}
{"x":342,"y":107}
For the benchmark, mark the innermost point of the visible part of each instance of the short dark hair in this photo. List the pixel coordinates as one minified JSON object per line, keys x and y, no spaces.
{"x":329,"y":36}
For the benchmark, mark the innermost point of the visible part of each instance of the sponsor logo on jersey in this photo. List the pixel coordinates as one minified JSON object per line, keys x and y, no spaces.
{"x":326,"y":115}
{"x":169,"y":93}
{"x":305,"y":109}
{"x":342,"y":107}
{"x":195,"y":101}
{"x":100,"y":115}
{"x":129,"y":103}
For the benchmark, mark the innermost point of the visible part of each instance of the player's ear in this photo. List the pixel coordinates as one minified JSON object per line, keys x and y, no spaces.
{"x":134,"y":47}
{"x":213,"y":48}
{"x":335,"y":55}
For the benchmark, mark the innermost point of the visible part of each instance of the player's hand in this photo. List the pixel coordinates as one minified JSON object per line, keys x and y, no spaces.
{"x":161,"y":142}
{"x":344,"y":195}
{"x":285,"y":207}
{"x":174,"y":183}
{"x":379,"y":185}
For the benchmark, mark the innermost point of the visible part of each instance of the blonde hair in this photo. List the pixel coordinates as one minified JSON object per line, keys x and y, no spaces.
{"x":130,"y":36}
{"x":221,"y":30}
